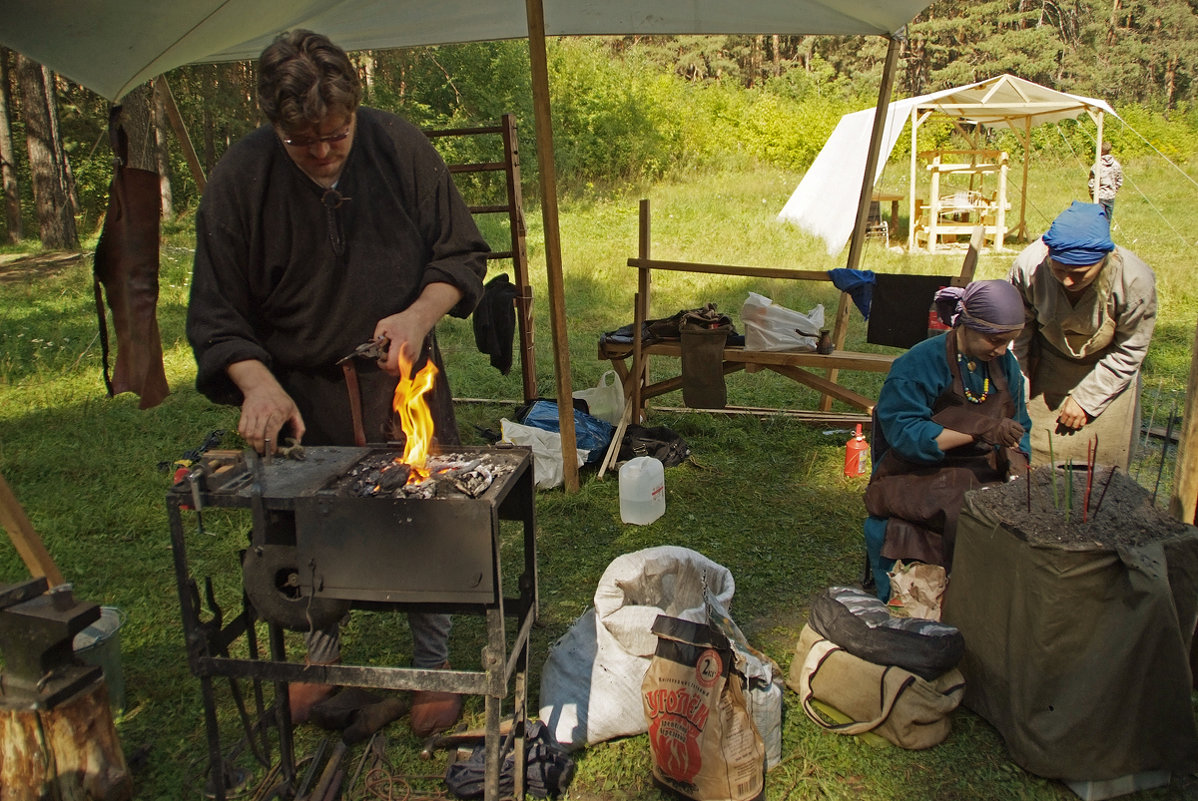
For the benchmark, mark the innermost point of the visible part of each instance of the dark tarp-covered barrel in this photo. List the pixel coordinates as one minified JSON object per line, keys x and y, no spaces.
{"x":1078,"y":654}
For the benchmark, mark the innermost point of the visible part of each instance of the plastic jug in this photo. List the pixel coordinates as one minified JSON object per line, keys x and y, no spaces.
{"x":642,"y":490}
{"x":856,"y":454}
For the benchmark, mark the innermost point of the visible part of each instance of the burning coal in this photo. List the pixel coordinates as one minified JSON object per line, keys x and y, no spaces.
{"x":382,"y":475}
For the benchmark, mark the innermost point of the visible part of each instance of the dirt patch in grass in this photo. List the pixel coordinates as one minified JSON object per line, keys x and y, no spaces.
{"x":1062,"y":506}
{"x":21,"y":267}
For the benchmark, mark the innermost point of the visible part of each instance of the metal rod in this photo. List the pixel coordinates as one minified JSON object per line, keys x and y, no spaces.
{"x":1104,"y":489}
{"x":1164,"y":450}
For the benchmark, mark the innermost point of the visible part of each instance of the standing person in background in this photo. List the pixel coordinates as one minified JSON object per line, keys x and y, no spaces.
{"x":329,"y":226}
{"x":1091,"y":310}
{"x":950,"y":418}
{"x":1110,"y":178}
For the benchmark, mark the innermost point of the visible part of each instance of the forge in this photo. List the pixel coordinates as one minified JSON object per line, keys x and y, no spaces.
{"x":348,"y":528}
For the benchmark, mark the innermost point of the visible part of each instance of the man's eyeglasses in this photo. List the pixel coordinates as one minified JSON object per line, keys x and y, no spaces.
{"x":311,"y":141}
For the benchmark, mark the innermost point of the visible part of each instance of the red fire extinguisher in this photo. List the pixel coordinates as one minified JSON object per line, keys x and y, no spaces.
{"x":856,"y":454}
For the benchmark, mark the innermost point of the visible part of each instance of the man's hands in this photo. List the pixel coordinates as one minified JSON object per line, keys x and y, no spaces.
{"x":266,"y":407}
{"x":406,"y":334}
{"x":408,"y":329}
{"x":1071,"y":417}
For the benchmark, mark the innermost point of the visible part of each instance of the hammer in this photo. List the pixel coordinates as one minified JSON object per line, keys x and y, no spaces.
{"x":452,"y":739}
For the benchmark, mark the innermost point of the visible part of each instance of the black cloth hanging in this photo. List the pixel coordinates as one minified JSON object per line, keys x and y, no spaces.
{"x":495,"y":321}
{"x":901,"y":309}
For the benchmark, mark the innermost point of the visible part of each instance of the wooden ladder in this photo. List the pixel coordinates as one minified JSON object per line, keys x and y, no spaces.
{"x":513,"y":206}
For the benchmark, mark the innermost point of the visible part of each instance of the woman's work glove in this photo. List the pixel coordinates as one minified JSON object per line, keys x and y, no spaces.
{"x":1003,"y":432}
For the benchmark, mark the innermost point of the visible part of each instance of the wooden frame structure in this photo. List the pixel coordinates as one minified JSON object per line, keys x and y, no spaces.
{"x":797,"y":366}
{"x":958,"y":213}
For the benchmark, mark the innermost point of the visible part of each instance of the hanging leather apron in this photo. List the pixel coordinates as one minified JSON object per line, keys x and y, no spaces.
{"x":1065,"y":351}
{"x":126,"y":265}
{"x":920,"y":501}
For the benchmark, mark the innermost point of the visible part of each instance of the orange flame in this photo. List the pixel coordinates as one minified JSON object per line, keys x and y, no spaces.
{"x":414,"y":416}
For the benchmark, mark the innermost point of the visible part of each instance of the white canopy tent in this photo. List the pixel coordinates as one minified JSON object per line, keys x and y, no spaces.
{"x":111,"y":46}
{"x":824,"y":201}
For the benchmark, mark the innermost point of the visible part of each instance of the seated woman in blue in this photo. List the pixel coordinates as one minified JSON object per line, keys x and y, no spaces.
{"x":951,"y":417}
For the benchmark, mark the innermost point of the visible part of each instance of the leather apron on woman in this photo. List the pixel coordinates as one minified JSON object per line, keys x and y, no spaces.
{"x":1064,"y":352}
{"x":922,"y":501}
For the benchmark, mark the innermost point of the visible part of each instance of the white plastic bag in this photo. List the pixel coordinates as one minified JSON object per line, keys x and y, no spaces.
{"x":547,"y":467}
{"x":591,"y":681}
{"x":606,"y":399}
{"x":771,"y":327}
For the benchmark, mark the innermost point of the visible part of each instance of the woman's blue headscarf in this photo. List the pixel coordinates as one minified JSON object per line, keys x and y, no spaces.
{"x":1080,"y":235}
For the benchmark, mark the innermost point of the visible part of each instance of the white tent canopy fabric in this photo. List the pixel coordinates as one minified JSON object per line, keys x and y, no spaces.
{"x":111,"y":46}
{"x":825,"y":201}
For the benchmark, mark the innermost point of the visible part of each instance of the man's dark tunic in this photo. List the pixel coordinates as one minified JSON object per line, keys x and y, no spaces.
{"x":287,"y":275}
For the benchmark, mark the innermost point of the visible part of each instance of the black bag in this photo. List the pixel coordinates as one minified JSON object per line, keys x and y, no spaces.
{"x":549,"y":768}
{"x":662,"y":443}
{"x":862,"y":625}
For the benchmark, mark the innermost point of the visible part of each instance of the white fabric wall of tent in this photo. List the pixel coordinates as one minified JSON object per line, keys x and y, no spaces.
{"x":824,"y":203}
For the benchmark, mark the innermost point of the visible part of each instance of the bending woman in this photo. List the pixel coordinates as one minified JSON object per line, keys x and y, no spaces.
{"x":950,"y":418}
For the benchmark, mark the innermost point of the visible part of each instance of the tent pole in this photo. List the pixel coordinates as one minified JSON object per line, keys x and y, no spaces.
{"x":867,"y":189}
{"x":1027,"y":156}
{"x":189,"y":151}
{"x":1097,"y":158}
{"x":553,"y":247}
{"x":871,"y":161}
{"x":1185,"y":487}
{"x":911,"y":186}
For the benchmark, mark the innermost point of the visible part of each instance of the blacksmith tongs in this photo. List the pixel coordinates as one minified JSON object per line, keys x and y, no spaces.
{"x":374,"y":349}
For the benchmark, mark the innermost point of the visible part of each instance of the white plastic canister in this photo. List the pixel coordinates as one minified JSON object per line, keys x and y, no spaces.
{"x":642,"y":490}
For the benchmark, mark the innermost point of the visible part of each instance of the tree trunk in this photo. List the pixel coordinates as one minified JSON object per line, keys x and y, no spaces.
{"x":137,"y":118}
{"x":69,"y":751}
{"x":755,"y":59}
{"x":208,"y":88}
{"x":776,"y":40}
{"x":56,"y":224}
{"x":163,"y":155}
{"x":1170,"y":82}
{"x":66,"y":178}
{"x":8,"y":158}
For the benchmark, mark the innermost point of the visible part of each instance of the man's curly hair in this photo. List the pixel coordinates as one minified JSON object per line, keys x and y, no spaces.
{"x":303,"y":77}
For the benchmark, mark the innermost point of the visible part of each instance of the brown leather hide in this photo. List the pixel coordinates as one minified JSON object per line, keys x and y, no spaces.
{"x":127,"y":267}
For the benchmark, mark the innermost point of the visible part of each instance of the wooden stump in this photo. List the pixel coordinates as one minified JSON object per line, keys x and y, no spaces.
{"x":66,"y":753}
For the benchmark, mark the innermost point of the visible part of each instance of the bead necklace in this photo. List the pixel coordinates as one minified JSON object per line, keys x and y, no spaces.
{"x":969,"y":396}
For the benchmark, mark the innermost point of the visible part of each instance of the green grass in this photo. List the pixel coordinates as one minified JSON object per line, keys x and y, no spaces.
{"x":763,"y":496}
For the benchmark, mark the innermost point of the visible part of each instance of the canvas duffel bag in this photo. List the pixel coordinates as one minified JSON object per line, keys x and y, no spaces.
{"x":861,"y":624}
{"x":907,"y":710}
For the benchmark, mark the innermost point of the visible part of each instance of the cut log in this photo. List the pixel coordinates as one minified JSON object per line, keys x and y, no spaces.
{"x":69,"y":752}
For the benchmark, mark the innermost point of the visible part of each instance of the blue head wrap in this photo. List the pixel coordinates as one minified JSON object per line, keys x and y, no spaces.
{"x":1081,"y":234}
